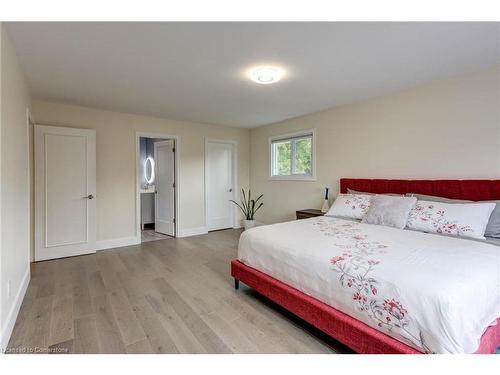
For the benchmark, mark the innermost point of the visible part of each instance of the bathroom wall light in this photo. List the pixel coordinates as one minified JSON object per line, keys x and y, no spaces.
{"x":149,"y":164}
{"x":266,"y":75}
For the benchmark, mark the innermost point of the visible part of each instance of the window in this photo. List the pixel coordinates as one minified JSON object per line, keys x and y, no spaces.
{"x":292,"y":156}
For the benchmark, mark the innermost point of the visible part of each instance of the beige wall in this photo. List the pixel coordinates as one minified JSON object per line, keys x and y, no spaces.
{"x":116,"y":162}
{"x":447,"y":129}
{"x":14,"y":196}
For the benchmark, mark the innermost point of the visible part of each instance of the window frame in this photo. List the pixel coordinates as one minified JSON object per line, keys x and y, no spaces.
{"x":288,"y":137}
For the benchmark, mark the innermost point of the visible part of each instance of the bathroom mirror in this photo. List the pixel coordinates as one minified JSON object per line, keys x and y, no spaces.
{"x":149,"y":170}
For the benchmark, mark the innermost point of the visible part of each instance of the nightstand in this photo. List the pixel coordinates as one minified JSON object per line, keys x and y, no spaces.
{"x":306,"y":214}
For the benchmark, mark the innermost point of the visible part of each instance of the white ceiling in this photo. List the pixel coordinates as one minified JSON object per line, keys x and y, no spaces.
{"x":195,"y":71}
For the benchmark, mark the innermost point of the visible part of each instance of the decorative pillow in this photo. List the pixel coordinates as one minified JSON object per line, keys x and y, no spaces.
{"x":458,"y":219}
{"x":350,"y":191}
{"x":493,"y":227}
{"x":351,"y":206}
{"x":433,"y":198}
{"x":389,"y":211}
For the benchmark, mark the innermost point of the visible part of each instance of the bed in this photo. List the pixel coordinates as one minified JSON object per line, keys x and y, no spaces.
{"x":403,"y":292}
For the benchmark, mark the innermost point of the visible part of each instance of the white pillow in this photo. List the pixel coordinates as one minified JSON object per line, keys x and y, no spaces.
{"x":389,"y":210}
{"x":462,"y":220}
{"x":351,"y":206}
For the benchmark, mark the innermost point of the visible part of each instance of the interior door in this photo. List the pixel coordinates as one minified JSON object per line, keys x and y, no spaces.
{"x":165,"y":187}
{"x":218,"y":185}
{"x":65,"y":192}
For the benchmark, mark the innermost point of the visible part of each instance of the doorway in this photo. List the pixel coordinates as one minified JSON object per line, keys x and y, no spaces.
{"x":220,"y":182}
{"x":157,"y":187}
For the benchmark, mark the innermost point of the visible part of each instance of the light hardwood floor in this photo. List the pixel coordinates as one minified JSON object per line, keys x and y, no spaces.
{"x":148,"y":235}
{"x":170,"y":296}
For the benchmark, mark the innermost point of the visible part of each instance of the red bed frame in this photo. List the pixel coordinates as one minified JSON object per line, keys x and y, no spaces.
{"x":353,"y":333}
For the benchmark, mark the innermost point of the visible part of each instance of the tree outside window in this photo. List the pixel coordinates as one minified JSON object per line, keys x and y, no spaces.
{"x":292,"y":156}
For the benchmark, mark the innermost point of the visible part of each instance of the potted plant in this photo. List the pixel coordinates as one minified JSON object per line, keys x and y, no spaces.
{"x":249,"y":207}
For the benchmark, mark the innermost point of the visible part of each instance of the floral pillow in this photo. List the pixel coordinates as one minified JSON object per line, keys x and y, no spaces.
{"x":351,"y":206}
{"x":461,"y":220}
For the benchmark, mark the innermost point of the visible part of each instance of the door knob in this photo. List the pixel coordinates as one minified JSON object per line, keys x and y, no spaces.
{"x":90,"y":196}
{"x":230,"y":190}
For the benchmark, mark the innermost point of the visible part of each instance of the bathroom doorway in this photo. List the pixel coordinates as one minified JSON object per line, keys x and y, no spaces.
{"x":157,"y":190}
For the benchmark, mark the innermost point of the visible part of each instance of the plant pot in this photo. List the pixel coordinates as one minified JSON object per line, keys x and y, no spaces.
{"x":248,"y":224}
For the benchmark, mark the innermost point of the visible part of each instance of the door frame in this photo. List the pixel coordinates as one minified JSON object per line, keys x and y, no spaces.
{"x":234,"y":213}
{"x":177,"y":189}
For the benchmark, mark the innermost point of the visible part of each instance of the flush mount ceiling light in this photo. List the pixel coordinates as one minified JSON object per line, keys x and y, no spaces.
{"x":266,"y":75}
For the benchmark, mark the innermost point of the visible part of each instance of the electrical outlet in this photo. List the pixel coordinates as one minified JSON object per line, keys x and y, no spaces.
{"x":8,"y":288}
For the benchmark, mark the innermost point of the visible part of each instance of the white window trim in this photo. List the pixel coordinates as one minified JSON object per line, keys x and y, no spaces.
{"x":295,"y":177}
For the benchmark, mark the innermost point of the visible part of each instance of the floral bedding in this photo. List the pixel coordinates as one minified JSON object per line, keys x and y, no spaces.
{"x":437,"y":294}
{"x":463,"y":220}
{"x":352,"y":206}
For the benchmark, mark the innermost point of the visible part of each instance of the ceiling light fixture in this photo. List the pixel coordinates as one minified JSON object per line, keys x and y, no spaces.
{"x":266,"y":75}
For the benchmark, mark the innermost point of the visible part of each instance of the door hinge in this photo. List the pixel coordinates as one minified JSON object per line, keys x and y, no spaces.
{"x":173,"y":185}
{"x":174,"y":220}
{"x":173,"y":149}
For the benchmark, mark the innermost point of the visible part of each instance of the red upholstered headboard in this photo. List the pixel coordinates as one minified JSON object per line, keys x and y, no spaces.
{"x":474,"y":190}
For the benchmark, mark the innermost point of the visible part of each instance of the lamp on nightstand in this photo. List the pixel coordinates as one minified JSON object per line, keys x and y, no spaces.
{"x":325,"y":206}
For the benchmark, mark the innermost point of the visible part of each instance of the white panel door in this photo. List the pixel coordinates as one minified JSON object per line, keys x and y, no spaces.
{"x":218,"y":185}
{"x":165,"y":188}
{"x":65,"y":189}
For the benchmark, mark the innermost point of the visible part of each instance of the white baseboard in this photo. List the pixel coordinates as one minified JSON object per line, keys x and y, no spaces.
{"x":188,"y":232}
{"x":14,"y":311}
{"x":117,"y":242}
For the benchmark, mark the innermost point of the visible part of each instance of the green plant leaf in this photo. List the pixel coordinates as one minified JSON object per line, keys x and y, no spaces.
{"x":244,"y":201}
{"x":241,"y":208}
{"x":249,"y":201}
{"x":252,"y":209}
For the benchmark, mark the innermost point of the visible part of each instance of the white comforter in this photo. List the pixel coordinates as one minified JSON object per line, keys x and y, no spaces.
{"x":434,"y":293}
